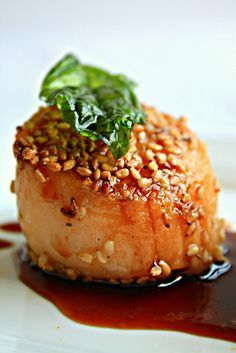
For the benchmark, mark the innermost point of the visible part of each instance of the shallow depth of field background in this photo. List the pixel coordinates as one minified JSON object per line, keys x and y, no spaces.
{"x":181,"y":52}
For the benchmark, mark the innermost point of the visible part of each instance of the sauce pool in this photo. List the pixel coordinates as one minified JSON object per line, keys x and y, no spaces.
{"x":205,"y":308}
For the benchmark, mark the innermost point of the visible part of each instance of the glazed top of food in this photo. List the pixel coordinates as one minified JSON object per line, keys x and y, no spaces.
{"x":153,"y":167}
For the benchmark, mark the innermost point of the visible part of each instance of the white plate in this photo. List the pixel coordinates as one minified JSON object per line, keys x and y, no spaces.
{"x":31,"y":324}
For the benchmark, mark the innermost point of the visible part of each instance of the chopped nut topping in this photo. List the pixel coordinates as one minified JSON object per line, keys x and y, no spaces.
{"x":105,"y":175}
{"x":54,"y":167}
{"x":142,"y":136}
{"x":157,"y":175}
{"x":81,"y":213}
{"x":191,"y":228}
{"x":69,"y":164}
{"x":192,"y":250}
{"x":63,"y":126}
{"x":135,"y":173}
{"x":154,"y":146}
{"x":122,"y":173}
{"x":96,"y":174}
{"x":40,"y":176}
{"x":165,"y":268}
{"x":85,"y":172}
{"x":153,"y":164}
{"x":85,"y":257}
{"x":101,"y":258}
{"x":149,"y":155}
{"x":109,"y":247}
{"x":206,"y":256}
{"x":28,"y":153}
{"x":174,"y":150}
{"x":108,"y":167}
{"x":156,"y":270}
{"x":144,"y":182}
{"x":162,"y":158}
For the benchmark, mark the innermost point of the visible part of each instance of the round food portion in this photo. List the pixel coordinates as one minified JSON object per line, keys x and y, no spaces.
{"x":135,"y":219}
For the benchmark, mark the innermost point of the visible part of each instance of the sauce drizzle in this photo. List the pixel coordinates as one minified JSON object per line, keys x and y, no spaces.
{"x":11,"y":227}
{"x":5,"y":244}
{"x":197,"y":306}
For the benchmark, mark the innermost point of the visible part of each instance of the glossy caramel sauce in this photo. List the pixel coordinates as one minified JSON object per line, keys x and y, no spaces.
{"x":200,"y":306}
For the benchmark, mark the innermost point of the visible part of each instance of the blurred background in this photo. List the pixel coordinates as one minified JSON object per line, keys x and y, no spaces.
{"x":182,"y":54}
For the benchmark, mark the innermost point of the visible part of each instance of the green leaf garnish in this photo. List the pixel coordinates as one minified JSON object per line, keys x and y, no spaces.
{"x":94,"y":102}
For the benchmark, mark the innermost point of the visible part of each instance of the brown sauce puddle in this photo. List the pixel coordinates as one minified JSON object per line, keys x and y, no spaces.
{"x":201,"y":307}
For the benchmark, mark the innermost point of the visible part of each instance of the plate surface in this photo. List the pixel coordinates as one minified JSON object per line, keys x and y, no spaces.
{"x":31,"y":324}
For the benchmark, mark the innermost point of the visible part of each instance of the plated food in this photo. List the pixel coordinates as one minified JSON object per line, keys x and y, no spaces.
{"x":111,"y":190}
{"x":114,"y":193}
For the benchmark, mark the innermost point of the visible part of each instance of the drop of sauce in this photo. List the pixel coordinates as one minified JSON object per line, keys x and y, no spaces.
{"x":11,"y":227}
{"x":5,"y":244}
{"x":193,"y":305}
